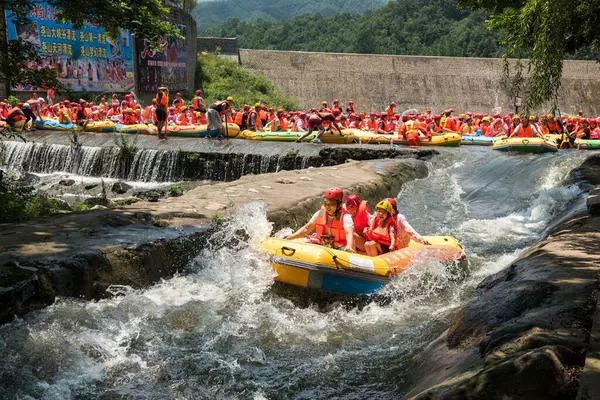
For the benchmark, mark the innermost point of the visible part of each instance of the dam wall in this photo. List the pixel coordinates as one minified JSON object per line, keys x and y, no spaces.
{"x":372,"y":81}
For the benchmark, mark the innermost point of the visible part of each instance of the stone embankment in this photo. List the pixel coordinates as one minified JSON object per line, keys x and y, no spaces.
{"x":530,"y":328}
{"x":83,"y":254}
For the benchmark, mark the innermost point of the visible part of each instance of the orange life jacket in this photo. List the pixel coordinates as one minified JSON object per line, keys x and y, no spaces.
{"x":258,"y":122}
{"x":372,"y":125}
{"x":283,"y":125}
{"x":379,"y":231}
{"x":239,"y":118}
{"x":524,"y":132}
{"x":325,"y":225}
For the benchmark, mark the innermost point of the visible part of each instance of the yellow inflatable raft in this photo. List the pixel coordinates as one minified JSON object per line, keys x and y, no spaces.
{"x":525,"y":145}
{"x":139,"y":129}
{"x":100,"y":126}
{"x":313,"y":266}
{"x":450,"y":139}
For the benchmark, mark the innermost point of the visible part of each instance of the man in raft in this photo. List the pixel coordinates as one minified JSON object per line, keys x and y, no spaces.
{"x":526,"y":129}
{"x":330,"y":226}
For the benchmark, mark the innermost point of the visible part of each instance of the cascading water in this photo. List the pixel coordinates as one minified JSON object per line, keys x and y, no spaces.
{"x":145,"y":165}
{"x":219,"y":331}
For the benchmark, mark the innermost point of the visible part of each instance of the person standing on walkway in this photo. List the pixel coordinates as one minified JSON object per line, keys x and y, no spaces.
{"x":162,"y":103}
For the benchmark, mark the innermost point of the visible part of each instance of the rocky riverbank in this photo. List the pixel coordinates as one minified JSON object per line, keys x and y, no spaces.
{"x":83,"y":254}
{"x":526,"y":333}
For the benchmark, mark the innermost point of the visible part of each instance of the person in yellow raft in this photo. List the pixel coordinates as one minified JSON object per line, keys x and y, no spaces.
{"x":331,"y":226}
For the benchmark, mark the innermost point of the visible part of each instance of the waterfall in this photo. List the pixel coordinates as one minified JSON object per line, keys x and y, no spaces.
{"x":147,"y":165}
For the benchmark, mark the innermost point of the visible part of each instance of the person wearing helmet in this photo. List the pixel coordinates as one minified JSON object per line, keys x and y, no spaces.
{"x":404,"y":231}
{"x":360,"y":213}
{"x":351,"y":109}
{"x":324,"y":107}
{"x":298,"y":122}
{"x":198,"y":102}
{"x":253,"y":121}
{"x":526,"y":129}
{"x":178,"y":101}
{"x":381,"y":233}
{"x":314,"y":121}
{"x":390,"y":110}
{"x":331,"y":226}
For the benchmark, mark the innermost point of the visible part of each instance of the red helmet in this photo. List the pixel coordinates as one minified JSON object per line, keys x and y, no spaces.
{"x":353,"y":200}
{"x":334,"y":193}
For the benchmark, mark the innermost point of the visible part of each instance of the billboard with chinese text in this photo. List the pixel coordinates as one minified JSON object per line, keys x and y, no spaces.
{"x":165,"y":66}
{"x":86,"y":59}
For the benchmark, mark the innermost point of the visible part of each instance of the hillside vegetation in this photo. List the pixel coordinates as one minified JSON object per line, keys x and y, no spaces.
{"x":417,"y":27}
{"x":210,"y":13}
{"x":221,"y":77}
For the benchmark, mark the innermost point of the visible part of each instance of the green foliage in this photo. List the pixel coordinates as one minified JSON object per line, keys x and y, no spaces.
{"x":221,"y":77}
{"x":175,"y":191}
{"x":546,"y":32}
{"x":416,"y":27}
{"x":19,"y":202}
{"x":208,"y":14}
{"x":41,"y":205}
{"x":127,"y":148}
{"x":80,"y":206}
{"x":13,"y":101}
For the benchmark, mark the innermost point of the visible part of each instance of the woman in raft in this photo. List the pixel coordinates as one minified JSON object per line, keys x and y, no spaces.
{"x":352,"y":228}
{"x":331,"y":226}
{"x":389,"y":230}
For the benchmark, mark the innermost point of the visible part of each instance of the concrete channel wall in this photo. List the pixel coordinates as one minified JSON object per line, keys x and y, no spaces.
{"x":466,"y":84}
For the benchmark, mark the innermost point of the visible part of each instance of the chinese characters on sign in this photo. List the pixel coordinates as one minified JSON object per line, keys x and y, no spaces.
{"x":85,"y":59}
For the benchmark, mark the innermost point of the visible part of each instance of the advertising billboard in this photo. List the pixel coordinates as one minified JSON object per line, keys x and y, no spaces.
{"x":163,"y":66}
{"x":86,"y":59}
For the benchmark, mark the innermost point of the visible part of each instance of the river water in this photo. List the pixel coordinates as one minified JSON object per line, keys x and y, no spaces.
{"x":220,"y":331}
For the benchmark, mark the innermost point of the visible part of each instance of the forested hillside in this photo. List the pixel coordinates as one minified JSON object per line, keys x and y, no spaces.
{"x":210,"y":13}
{"x":421,"y":27}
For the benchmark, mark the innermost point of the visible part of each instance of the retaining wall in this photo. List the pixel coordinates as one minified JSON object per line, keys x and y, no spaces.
{"x":466,"y":84}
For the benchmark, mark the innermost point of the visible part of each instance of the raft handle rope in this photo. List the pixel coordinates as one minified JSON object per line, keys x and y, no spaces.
{"x":525,"y":141}
{"x":288,"y":251}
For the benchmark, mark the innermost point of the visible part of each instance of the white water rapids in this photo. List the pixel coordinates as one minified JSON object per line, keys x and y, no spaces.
{"x":221,"y":332}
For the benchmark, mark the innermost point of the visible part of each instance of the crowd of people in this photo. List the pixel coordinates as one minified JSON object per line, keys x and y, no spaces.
{"x":413,"y":126}
{"x":349,"y":225}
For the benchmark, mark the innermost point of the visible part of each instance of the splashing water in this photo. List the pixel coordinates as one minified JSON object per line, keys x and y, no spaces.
{"x":220,"y":331}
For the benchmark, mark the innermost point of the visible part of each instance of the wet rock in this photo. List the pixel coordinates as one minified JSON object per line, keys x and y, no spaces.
{"x":90,"y":186}
{"x":31,"y":178}
{"x":517,"y":378}
{"x":66,"y":182}
{"x":151,"y":195}
{"x":285,"y":181}
{"x":126,"y":201}
{"x":590,"y":170}
{"x":120,"y":187}
{"x":593,"y":201}
{"x":63,"y":205}
{"x":97,"y":201}
{"x":501,"y":300}
{"x":215,"y":206}
{"x":98,"y":207}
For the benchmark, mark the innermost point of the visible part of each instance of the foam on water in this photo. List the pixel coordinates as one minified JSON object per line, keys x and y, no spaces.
{"x":220,"y":331}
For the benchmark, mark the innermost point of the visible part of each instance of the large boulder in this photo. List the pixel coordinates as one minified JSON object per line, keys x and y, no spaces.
{"x":120,"y":187}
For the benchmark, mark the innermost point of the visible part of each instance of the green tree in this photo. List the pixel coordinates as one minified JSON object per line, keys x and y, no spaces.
{"x":546,"y":32}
